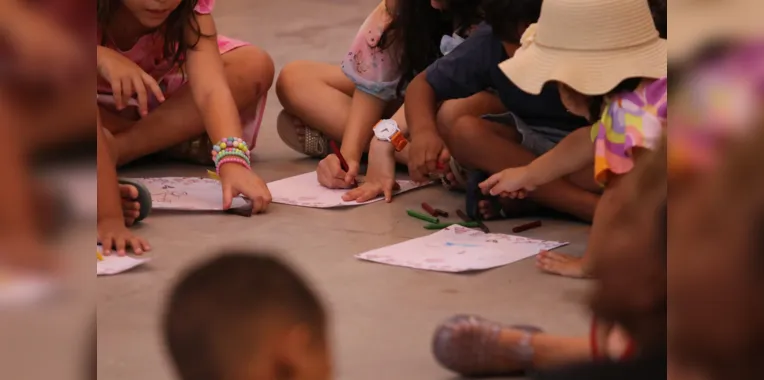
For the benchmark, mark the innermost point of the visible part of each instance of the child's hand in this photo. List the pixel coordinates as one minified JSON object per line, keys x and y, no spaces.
{"x":511,"y":183}
{"x":427,"y":153}
{"x":126,"y":78}
{"x":112,"y":234}
{"x":380,"y":176}
{"x":237,"y":179}
{"x":331,"y":175}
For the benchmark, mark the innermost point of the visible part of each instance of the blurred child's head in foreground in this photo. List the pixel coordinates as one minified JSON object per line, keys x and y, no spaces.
{"x":245,"y":316}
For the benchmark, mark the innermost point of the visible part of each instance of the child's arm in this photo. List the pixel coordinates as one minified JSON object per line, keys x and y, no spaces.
{"x":112,"y":232}
{"x":209,"y":84}
{"x":209,"y":87}
{"x":573,"y":153}
{"x":365,"y":111}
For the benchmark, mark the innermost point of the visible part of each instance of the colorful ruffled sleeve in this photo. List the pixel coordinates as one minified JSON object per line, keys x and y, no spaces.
{"x":629,"y":120}
{"x":373,"y":70}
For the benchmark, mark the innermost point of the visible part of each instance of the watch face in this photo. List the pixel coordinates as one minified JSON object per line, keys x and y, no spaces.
{"x":385,"y":129}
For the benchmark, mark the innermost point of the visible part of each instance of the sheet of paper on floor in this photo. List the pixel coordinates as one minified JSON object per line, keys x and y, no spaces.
{"x":305,"y":191}
{"x":187,"y":193}
{"x":113,"y":264}
{"x":459,"y":249}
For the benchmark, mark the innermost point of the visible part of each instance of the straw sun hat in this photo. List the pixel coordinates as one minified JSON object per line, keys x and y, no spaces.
{"x":590,"y":45}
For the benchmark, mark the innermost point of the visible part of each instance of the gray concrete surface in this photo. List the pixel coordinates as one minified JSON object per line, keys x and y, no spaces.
{"x":382,"y":316}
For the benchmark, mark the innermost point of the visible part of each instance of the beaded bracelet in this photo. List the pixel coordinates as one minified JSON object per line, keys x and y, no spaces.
{"x":230,"y":146}
{"x":235,"y":160}
{"x":231,"y":153}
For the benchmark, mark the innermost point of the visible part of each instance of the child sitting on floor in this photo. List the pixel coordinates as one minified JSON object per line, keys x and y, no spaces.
{"x":244,"y":316}
{"x":169,"y":56}
{"x":534,"y":124}
{"x":614,"y":77}
{"x":399,"y":39}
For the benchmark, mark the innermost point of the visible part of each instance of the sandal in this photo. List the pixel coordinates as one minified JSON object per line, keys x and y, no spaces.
{"x":459,"y":173}
{"x":144,"y":197}
{"x":598,"y":336}
{"x":314,"y":144}
{"x":469,"y":345}
{"x":196,"y":151}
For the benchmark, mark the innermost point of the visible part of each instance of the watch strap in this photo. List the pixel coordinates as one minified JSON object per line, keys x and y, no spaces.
{"x":399,"y":141}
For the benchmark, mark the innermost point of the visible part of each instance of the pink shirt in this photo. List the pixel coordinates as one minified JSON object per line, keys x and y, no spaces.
{"x":148,"y":53}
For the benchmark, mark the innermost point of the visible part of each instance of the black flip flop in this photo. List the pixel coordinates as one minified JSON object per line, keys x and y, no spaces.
{"x":144,"y":197}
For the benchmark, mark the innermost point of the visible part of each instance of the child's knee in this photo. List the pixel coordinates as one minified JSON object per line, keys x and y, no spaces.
{"x":448,"y":113}
{"x":255,"y":66}
{"x":463,"y":129}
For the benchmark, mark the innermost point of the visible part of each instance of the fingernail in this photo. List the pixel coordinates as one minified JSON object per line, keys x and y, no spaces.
{"x":121,"y":253}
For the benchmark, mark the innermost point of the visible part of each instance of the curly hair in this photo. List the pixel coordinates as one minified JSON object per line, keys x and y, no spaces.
{"x":175,"y":29}
{"x":417,"y":29}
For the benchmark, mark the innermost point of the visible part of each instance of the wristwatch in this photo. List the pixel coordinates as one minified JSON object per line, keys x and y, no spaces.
{"x":387,"y":130}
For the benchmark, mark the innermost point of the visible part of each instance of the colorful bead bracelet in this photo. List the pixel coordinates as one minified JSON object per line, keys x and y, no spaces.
{"x":230,"y":159}
{"x":230,"y":147}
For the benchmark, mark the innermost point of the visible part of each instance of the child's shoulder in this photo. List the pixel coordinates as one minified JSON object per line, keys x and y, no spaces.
{"x":651,"y":95}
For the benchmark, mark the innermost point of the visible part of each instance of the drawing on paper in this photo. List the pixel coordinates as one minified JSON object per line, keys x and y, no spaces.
{"x":187,"y":193}
{"x":305,"y":191}
{"x":459,"y":249}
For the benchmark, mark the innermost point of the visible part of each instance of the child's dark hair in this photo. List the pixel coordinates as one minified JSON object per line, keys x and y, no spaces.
{"x":174,"y":30}
{"x":417,"y":29}
{"x":596,"y":102}
{"x":212,"y":317}
{"x":506,"y":17}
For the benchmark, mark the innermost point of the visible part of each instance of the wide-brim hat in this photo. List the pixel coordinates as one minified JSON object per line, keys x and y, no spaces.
{"x":700,"y":22}
{"x":590,"y":45}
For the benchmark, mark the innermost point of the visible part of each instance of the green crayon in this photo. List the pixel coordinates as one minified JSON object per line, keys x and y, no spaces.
{"x":426,"y":218}
{"x":440,"y":226}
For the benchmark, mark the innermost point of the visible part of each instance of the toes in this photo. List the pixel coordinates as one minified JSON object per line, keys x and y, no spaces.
{"x":128,"y":192}
{"x":560,"y":257}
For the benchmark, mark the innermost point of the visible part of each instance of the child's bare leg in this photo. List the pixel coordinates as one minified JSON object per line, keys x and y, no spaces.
{"x":492,"y":147}
{"x":315,"y":94}
{"x":249,"y":72}
{"x":602,"y":230}
{"x":482,"y":103}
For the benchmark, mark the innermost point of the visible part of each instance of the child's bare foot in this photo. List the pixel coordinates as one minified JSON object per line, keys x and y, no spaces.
{"x":503,"y":208}
{"x":562,"y":264}
{"x":131,"y":208}
{"x":473,"y":346}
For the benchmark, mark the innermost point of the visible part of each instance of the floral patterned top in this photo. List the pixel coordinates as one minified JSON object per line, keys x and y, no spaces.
{"x":629,"y":120}
{"x":375,"y":70}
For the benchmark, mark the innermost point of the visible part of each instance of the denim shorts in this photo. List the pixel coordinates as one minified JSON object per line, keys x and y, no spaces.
{"x":537,"y":139}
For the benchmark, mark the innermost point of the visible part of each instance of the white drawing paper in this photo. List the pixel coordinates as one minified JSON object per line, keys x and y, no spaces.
{"x":305,"y":191}
{"x":459,"y":249}
{"x":114,"y":264}
{"x":187,"y":193}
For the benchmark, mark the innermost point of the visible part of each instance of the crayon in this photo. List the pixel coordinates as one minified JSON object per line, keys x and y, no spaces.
{"x":429,"y":209}
{"x":426,"y":218}
{"x":527,"y":226}
{"x":343,"y":163}
{"x":467,"y":219}
{"x":440,"y":226}
{"x":440,"y":212}
{"x":99,"y":256}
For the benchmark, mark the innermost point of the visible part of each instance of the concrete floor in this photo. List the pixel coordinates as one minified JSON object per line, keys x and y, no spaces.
{"x":383,"y":316}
